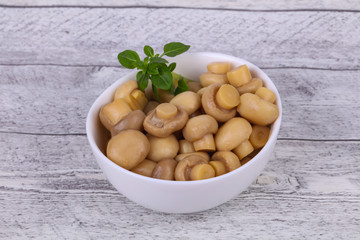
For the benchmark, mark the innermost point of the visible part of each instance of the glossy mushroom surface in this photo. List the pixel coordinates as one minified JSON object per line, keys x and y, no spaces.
{"x":230,"y":160}
{"x":161,"y":148}
{"x":128,"y":148}
{"x":159,"y":125}
{"x":183,"y":168}
{"x":196,"y":134}
{"x":199,"y":126}
{"x":165,"y":169}
{"x":189,"y":101}
{"x":257,"y":110}
{"x":134,"y":120}
{"x":232,"y":133}
{"x":212,"y":108}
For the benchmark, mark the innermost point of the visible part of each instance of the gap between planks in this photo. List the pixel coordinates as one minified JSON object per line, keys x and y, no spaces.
{"x":118,"y":66}
{"x":84,"y":134}
{"x":250,"y":192}
{"x":182,"y":7}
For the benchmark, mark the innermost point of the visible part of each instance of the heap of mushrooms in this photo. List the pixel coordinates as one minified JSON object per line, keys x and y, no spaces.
{"x":214,"y":128}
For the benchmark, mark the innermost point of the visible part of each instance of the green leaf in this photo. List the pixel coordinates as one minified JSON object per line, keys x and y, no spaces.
{"x":155,"y":91}
{"x":163,"y":80}
{"x":140,"y":65}
{"x":128,"y":58}
{"x":182,"y":86}
{"x":149,"y":51}
{"x":161,"y":65}
{"x":175,"y":48}
{"x":153,"y":69}
{"x":158,"y":60}
{"x":172,"y":66}
{"x":142,"y":79}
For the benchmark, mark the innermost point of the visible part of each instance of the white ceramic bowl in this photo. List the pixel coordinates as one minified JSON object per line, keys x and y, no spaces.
{"x":176,"y":196}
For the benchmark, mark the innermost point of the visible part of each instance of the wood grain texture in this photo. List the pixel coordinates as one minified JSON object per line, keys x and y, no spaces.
{"x":249,"y":216}
{"x":227,"y":4}
{"x":56,"y":100}
{"x":51,"y":100}
{"x":57,"y":57}
{"x":301,"y":166}
{"x":303,"y":193}
{"x":85,"y":36}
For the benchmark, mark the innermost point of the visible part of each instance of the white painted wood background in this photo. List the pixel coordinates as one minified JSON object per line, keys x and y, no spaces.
{"x":57,"y":56}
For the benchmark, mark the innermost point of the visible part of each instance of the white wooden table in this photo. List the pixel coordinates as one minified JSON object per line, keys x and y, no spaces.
{"x":56,"y":57}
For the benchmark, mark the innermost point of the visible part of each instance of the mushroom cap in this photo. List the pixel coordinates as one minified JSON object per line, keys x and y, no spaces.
{"x":256,"y":110}
{"x":212,"y":108}
{"x":161,"y":148}
{"x":165,"y":169}
{"x":203,"y":155}
{"x":145,"y":168}
{"x":133,"y":120}
{"x":128,"y":148}
{"x":232,"y":134}
{"x":229,"y":158}
{"x":199,"y":126}
{"x":219,"y":67}
{"x":251,"y":86}
{"x":183,"y":168}
{"x":188,"y":100}
{"x":125,"y":89}
{"x":202,"y":171}
{"x":164,"y":127}
{"x":114,"y":112}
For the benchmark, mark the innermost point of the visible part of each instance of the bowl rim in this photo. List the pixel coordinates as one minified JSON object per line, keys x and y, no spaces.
{"x":273,"y":135}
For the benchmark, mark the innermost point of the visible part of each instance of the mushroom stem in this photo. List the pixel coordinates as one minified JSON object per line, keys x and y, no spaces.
{"x":206,"y":143}
{"x":186,"y":147}
{"x":244,"y":149}
{"x":212,"y":108}
{"x":166,"y":111}
{"x":227,"y":97}
{"x":219,"y":167}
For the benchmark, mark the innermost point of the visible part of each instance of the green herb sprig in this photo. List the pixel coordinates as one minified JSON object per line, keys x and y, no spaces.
{"x":156,"y":68}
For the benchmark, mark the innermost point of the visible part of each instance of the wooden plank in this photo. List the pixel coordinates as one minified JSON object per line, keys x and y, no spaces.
{"x":86,"y":36}
{"x":55,"y":61}
{"x":318,"y":104}
{"x":249,"y":216}
{"x":31,"y":163}
{"x":308,"y":190}
{"x":41,"y":154}
{"x":51,"y":99}
{"x":227,"y":4}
